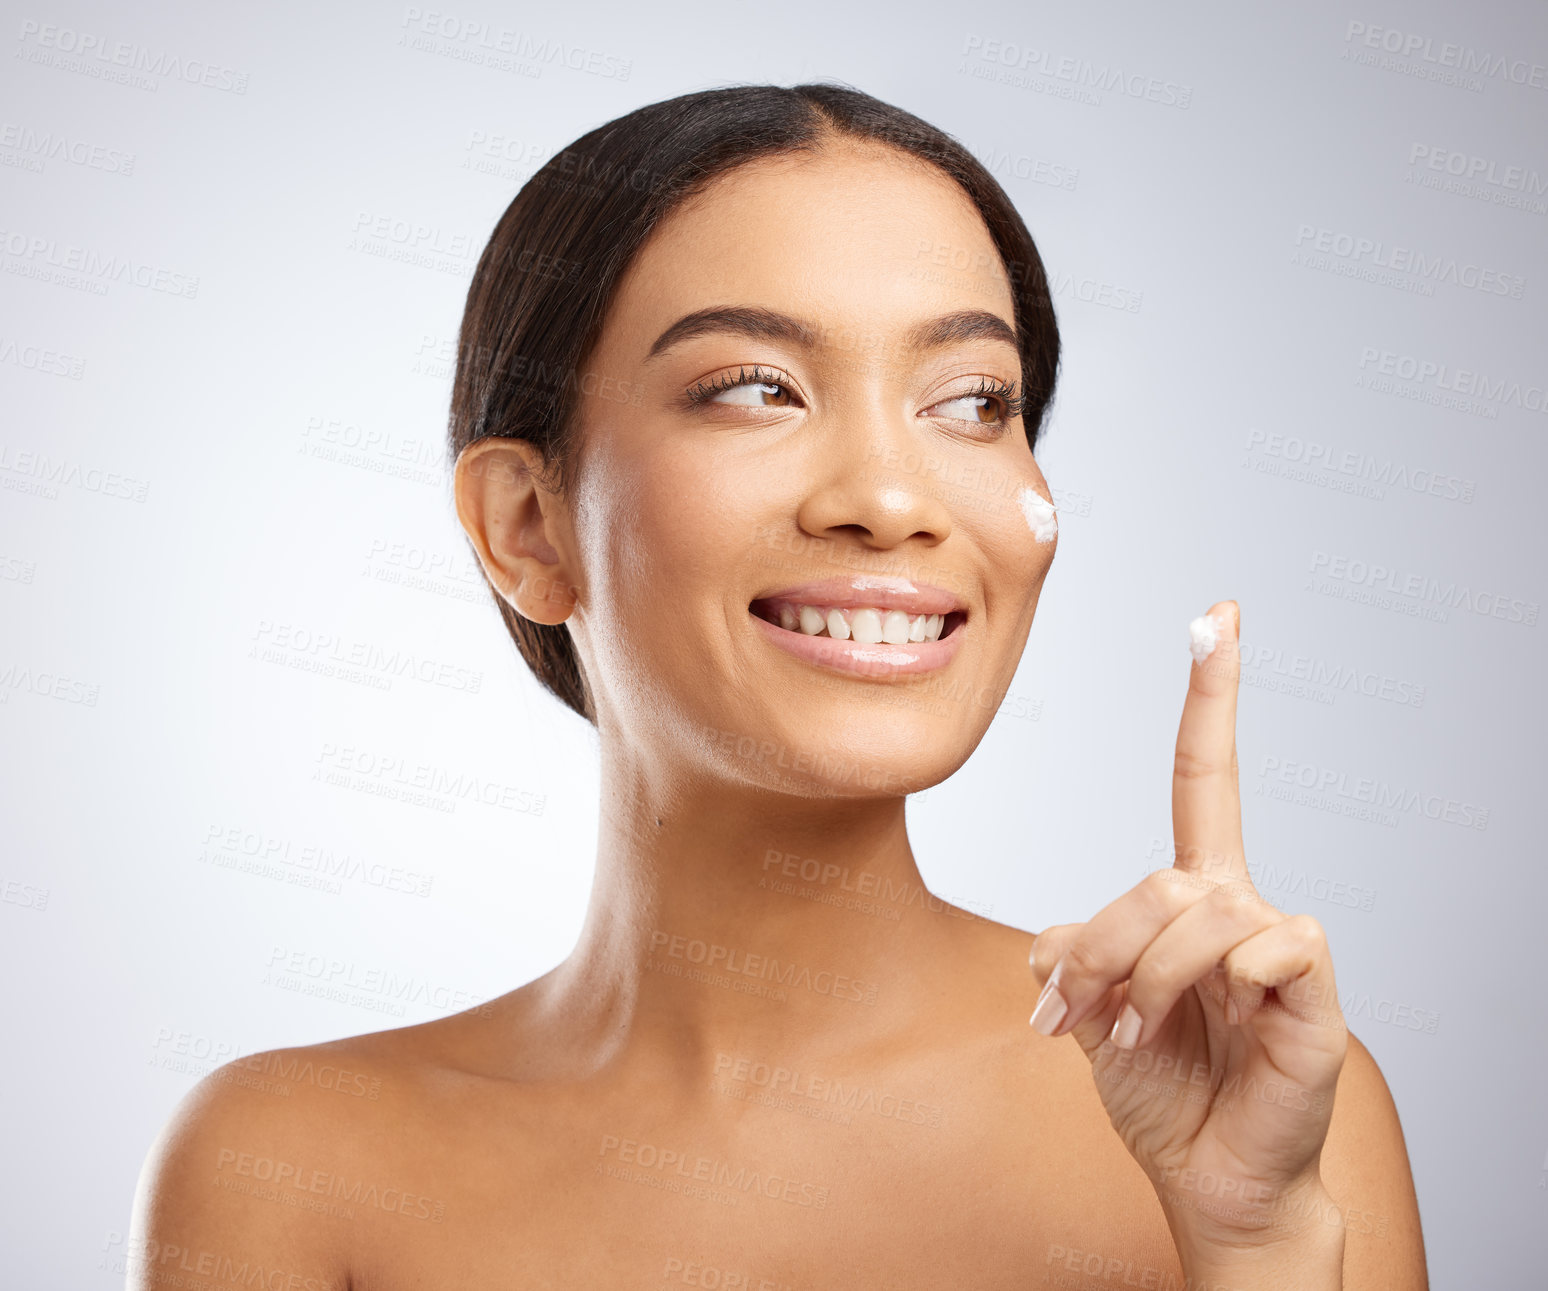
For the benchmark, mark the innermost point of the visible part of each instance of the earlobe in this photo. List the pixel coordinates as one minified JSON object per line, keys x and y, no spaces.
{"x":543,"y":599}
{"x":507,"y":515}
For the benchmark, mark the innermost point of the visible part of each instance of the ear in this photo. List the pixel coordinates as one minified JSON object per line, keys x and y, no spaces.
{"x":511,"y":518}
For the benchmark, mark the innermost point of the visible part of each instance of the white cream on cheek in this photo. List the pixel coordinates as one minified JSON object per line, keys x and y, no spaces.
{"x":1204,"y":635}
{"x":1039,"y":513}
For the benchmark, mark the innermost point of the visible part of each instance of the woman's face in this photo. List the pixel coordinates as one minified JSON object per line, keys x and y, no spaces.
{"x":861,"y":454}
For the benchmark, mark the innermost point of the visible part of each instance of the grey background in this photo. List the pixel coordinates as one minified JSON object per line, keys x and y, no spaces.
{"x":220,"y":474}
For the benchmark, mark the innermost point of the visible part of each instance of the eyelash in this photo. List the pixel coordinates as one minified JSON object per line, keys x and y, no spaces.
{"x":1012,"y":403}
{"x":707,"y":390}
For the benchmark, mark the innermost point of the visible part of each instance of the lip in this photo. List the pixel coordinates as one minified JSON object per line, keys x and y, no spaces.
{"x":876,"y":662}
{"x":879,"y":661}
{"x":862,"y":589}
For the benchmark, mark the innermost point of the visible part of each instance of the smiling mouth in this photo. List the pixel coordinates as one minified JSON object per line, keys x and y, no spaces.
{"x":864,"y":625}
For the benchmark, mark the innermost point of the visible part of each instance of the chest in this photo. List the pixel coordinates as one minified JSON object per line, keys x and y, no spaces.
{"x":805,"y":1188}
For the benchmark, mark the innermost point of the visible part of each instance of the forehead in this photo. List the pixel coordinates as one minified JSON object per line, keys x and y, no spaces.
{"x":857,"y":236}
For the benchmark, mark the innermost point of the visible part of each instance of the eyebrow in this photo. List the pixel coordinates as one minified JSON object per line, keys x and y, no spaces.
{"x":771,"y":325}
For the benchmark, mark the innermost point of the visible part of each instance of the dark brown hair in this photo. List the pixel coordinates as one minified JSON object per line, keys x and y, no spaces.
{"x":544,"y":282}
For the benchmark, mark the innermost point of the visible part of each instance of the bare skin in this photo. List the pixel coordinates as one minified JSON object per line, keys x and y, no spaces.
{"x":619,"y":1121}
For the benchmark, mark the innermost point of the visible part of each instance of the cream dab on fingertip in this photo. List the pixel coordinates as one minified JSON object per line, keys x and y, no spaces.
{"x":1039,"y":513}
{"x":1204,"y":635}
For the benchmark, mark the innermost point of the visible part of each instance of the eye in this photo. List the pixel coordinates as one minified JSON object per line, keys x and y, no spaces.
{"x":992,"y":396}
{"x":755,"y":388}
{"x":758,"y":394}
{"x":982,"y":402}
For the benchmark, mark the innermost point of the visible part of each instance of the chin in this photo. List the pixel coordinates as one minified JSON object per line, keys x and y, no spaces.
{"x":885,"y":743}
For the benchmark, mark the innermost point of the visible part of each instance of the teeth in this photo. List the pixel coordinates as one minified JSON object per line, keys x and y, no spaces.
{"x":866,"y":625}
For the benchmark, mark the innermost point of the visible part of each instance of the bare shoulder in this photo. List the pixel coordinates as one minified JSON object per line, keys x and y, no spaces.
{"x":213,"y":1193}
{"x":1046,"y":1081}
{"x":1366,"y":1170}
{"x":1091,"y":1199}
{"x":263,"y":1161}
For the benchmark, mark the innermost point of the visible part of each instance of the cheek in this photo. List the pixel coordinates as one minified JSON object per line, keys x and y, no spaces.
{"x":662,"y":546}
{"x":1039,"y":514}
{"x":1017,"y":527}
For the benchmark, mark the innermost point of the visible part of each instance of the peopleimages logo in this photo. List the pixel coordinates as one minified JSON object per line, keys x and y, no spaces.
{"x":1081,"y":73}
{"x":824,"y":1089}
{"x":91,"y":54}
{"x":1482,"y":170}
{"x":226,"y":844}
{"x":1318,"y":458}
{"x":33,"y":254}
{"x":1455,"y":58}
{"x":1374,"y":254}
{"x":1422,"y":589}
{"x":730,"y":960}
{"x":714,"y":1171}
{"x":1435,"y":377}
{"x":292,"y":969}
{"x":48,"y":146}
{"x":287,"y":1177}
{"x":1379,"y":794}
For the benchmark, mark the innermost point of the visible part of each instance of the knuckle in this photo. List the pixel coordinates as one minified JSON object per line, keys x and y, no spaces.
{"x":1082,"y":959}
{"x":1150,"y":972}
{"x":1309,"y":933}
{"x":1269,"y":914}
{"x":1242,"y":975}
{"x":1204,"y":859}
{"x":1241,"y":897}
{"x":1161,"y":891}
{"x":1187,"y":765}
{"x":1225,"y":896}
{"x":1259,"y":910}
{"x":1047,"y":947}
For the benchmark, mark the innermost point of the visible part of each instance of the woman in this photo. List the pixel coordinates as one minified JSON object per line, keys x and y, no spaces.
{"x":743,"y":421}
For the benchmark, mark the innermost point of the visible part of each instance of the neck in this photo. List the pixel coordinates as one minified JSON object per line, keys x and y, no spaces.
{"x":730,"y":920}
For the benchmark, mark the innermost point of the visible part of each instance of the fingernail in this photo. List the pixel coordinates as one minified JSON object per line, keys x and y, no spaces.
{"x":1050,"y":1010}
{"x":1233,"y":1014}
{"x":1127,"y":1028}
{"x":1032,"y":954}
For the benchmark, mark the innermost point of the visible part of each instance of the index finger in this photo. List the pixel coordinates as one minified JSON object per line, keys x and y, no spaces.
{"x":1206,"y":798}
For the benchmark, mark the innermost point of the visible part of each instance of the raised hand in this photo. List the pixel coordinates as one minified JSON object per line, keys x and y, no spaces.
{"x":1210,"y":1018}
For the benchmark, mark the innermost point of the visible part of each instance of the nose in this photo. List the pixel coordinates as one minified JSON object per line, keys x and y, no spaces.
{"x":875,"y":478}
